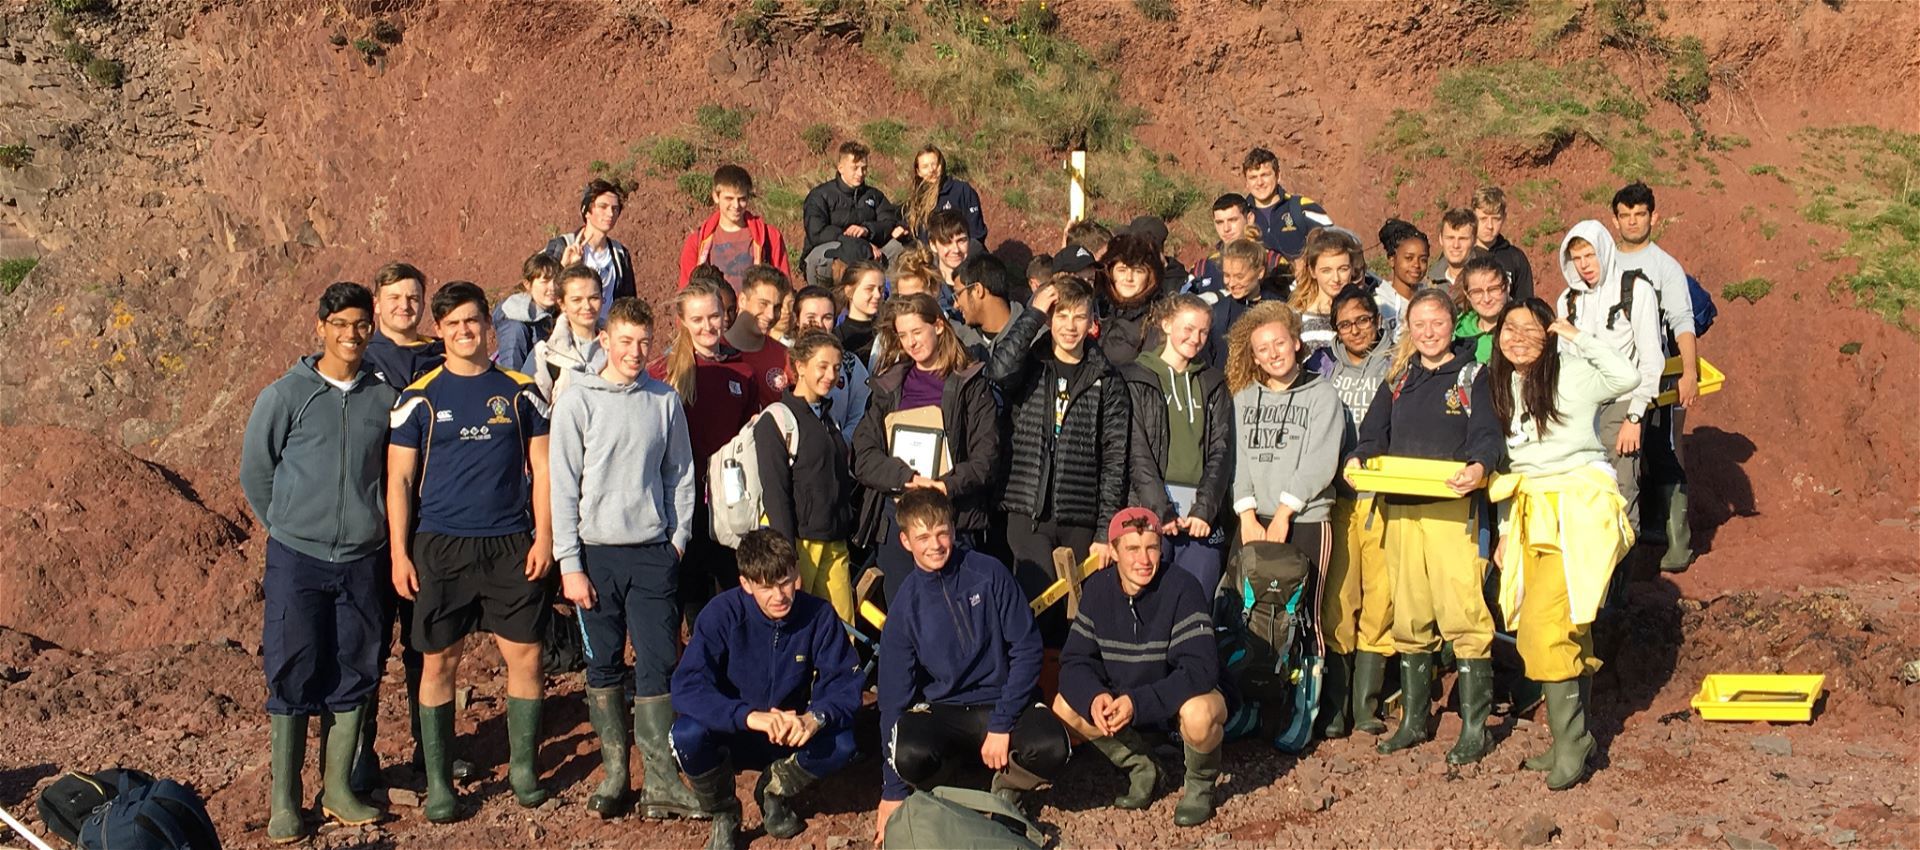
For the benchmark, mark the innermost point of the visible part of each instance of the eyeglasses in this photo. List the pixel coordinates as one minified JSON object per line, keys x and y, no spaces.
{"x":362,"y":326}
{"x":1354,"y":324}
{"x":1486,"y":292}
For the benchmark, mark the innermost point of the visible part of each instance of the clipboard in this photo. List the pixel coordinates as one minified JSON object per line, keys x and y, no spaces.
{"x":918,"y":437}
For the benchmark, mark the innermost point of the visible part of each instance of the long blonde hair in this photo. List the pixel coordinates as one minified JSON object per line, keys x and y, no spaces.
{"x":925,"y":193}
{"x":1321,"y":241}
{"x":1404,"y":353}
{"x":1242,"y":371}
{"x":949,"y":355}
{"x":680,"y":357}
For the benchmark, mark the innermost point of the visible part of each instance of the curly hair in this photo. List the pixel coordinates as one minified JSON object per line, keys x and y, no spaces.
{"x":1242,"y":371}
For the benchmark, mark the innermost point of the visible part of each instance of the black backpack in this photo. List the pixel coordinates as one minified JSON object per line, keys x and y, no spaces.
{"x":127,"y":810}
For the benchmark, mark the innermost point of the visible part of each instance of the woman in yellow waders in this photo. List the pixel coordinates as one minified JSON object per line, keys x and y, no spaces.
{"x":1434,"y":405}
{"x":1356,"y":611}
{"x":1567,"y":524}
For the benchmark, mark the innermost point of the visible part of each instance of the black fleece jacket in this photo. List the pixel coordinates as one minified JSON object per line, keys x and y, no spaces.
{"x":1147,"y":452}
{"x":1078,"y":477}
{"x":1513,"y":261}
{"x":1422,"y":414}
{"x":971,"y":420}
{"x":806,"y":495}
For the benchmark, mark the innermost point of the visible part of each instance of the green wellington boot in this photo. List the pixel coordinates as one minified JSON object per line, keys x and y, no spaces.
{"x":713,"y":794}
{"x":1416,"y":684}
{"x":662,"y":795}
{"x":1567,"y":718}
{"x":779,"y":783}
{"x":341,"y":740}
{"x":1369,"y":673}
{"x":523,"y":745}
{"x":1679,"y":554}
{"x":1476,"y":702}
{"x":1203,"y":776}
{"x":1336,"y":703}
{"x":436,"y":733}
{"x":1131,"y":753}
{"x":607,"y":711}
{"x":365,"y":774}
{"x":289,"y":742}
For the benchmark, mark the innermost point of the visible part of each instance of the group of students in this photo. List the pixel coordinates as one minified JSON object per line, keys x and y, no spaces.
{"x":916,"y":408}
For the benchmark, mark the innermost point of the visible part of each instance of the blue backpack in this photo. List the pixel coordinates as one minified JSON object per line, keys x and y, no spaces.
{"x":150,"y":814}
{"x":1703,"y":310}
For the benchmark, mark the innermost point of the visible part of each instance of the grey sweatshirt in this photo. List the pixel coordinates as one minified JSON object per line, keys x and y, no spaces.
{"x":314,"y":459}
{"x":621,"y":466}
{"x":1288,"y":448}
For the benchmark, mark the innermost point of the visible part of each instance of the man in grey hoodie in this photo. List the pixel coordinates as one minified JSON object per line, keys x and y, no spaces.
{"x":312,"y":466}
{"x":623,"y":496}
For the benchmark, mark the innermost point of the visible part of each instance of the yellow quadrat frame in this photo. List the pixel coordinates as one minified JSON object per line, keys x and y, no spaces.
{"x":1711,"y":380}
{"x":1779,"y":698}
{"x":1066,"y":586}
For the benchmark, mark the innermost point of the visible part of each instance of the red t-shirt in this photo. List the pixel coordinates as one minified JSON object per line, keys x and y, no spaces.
{"x":768,"y":370}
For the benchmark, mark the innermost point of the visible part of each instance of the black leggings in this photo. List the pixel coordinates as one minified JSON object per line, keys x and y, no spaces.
{"x":931,"y":747}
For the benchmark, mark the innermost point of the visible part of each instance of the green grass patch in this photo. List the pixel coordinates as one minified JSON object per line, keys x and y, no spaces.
{"x":13,"y":271}
{"x":1850,"y":348}
{"x":1750,"y":290}
{"x":1528,"y":111}
{"x":15,"y":156}
{"x":721,"y":122}
{"x":672,"y":153}
{"x":817,"y":137}
{"x":105,"y":72}
{"x":1689,"y":80}
{"x":1762,"y":169}
{"x":782,"y":205}
{"x":887,"y":136}
{"x":1162,"y":10}
{"x":1866,"y":182}
{"x":698,"y":187}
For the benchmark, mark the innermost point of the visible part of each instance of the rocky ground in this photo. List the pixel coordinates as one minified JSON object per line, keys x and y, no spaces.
{"x":1666,"y":778}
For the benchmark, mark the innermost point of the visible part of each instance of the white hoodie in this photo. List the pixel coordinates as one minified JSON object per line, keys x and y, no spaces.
{"x":1635,"y":334}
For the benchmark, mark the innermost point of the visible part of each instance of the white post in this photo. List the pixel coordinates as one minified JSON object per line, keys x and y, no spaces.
{"x":23,"y":830}
{"x":1076,"y":185}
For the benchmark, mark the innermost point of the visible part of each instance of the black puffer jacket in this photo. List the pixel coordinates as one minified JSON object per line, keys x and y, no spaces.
{"x":1147,"y":454}
{"x":833,"y":206}
{"x":977,"y":463}
{"x":1124,"y":329}
{"x":1092,"y":445}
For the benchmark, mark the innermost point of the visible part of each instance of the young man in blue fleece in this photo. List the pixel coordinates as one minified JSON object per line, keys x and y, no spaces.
{"x":767,"y":682}
{"x":959,"y":667}
{"x":1141,"y":657}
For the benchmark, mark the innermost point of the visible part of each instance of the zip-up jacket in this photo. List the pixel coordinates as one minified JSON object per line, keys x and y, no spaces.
{"x":961,"y":635}
{"x":1289,"y":447}
{"x":1634,"y":332}
{"x":977,"y":460}
{"x":621,"y":467}
{"x":1199,"y":392}
{"x":739,"y":662}
{"x":1422,"y":414}
{"x":833,"y":206}
{"x":1513,"y":261}
{"x":621,"y":286}
{"x":1155,"y":647}
{"x":517,"y":326}
{"x":1123,"y":329}
{"x":561,"y":357}
{"x":850,"y":392}
{"x":313,"y":462}
{"x":1284,"y":226}
{"x":959,"y":196}
{"x":399,"y":365}
{"x":1227,"y":310}
{"x":808,"y":495}
{"x":1080,"y":473}
{"x":768,"y":245}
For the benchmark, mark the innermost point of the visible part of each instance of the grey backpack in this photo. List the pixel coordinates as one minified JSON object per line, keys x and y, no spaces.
{"x":960,"y":819}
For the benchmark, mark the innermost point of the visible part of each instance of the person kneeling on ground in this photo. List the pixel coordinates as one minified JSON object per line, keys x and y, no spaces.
{"x":767,"y":681}
{"x":960,"y":661}
{"x":1141,"y":657}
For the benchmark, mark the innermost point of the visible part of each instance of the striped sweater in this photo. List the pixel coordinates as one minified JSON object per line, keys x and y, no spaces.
{"x":1156,"y":647}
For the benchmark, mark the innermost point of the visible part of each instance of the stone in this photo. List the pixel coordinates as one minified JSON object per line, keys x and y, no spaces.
{"x":1534,"y":830}
{"x":1710,"y":832}
{"x":403,"y":798}
{"x":1741,"y":842}
{"x":1842,"y":837}
{"x":1772,"y":745}
{"x":1604,"y":819}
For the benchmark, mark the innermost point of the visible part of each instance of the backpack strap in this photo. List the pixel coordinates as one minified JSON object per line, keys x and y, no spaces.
{"x":789,"y":427}
{"x":1463,"y":385}
{"x":990,"y":805}
{"x":1624,"y":306}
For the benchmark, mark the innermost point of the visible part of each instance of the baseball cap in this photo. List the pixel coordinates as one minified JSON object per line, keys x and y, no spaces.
{"x":1072,"y":260}
{"x":1129,"y":520}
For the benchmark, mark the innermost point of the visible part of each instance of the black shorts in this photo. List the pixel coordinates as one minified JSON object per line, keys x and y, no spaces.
{"x":470,"y":584}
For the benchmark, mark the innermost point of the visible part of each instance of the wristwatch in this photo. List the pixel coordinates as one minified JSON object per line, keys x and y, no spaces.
{"x":1633,"y":418}
{"x":819,"y":720}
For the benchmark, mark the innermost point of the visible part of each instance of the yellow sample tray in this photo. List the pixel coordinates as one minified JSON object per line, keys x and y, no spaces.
{"x":1406,"y":476}
{"x":1754,"y":696}
{"x":1711,"y":379}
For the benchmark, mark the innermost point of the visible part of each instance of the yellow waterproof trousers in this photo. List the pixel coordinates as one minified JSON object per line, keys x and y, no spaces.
{"x":1434,"y":565}
{"x":826,"y":571}
{"x":1564,"y":535}
{"x":1356,"y":610}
